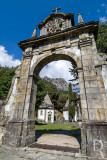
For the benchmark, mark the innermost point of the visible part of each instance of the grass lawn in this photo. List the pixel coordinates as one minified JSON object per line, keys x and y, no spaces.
{"x":71,"y":129}
{"x":55,"y":127}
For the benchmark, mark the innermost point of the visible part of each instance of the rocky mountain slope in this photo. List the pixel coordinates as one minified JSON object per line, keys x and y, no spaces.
{"x":60,"y":83}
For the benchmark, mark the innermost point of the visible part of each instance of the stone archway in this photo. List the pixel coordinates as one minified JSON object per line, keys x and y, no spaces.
{"x":68,"y":42}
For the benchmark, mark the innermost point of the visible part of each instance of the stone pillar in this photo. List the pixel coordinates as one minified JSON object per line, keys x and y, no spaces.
{"x":20,"y":124}
{"x":95,"y":103}
{"x":84,"y":106}
{"x":28,"y":134}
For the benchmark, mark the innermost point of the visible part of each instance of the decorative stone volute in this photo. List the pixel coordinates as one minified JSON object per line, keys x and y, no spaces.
{"x":27,"y":53}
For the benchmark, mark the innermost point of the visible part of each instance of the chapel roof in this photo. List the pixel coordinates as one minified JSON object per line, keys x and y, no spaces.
{"x":47,"y":100}
{"x":47,"y":103}
{"x":66,"y":107}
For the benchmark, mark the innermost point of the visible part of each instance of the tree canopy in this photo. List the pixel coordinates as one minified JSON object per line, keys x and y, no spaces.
{"x":102,"y":38}
{"x":72,"y":101}
{"x":6,"y":75}
{"x":57,"y":97}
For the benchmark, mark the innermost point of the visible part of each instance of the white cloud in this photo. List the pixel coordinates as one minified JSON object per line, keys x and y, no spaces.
{"x":57,"y":69}
{"x":98,"y":10}
{"x":103,"y":5}
{"x":103,"y":19}
{"x":6,"y":59}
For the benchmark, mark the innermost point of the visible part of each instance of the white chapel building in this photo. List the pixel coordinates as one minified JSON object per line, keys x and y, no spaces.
{"x":78,"y":113}
{"x":46,"y":110}
{"x":66,"y":111}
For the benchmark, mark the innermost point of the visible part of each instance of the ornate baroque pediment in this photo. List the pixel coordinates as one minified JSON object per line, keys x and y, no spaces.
{"x":56,"y":22}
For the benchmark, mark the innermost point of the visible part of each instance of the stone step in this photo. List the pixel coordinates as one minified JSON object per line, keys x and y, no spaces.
{"x":54,"y":147}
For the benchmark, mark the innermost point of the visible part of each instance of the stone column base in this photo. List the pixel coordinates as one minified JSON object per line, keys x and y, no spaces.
{"x":95,"y":135}
{"x":2,"y":132}
{"x":19,"y":133}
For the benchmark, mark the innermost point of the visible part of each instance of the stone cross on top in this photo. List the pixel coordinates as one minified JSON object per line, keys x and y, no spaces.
{"x":56,"y":9}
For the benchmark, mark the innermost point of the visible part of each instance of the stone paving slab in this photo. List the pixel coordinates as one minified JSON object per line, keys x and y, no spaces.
{"x":26,"y":153}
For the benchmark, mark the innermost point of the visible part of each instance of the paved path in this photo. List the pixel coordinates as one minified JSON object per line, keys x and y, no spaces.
{"x":26,"y":153}
{"x":59,"y":140}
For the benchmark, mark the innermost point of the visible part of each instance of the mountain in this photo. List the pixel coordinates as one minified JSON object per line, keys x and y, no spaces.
{"x":60,"y":83}
{"x":58,"y":97}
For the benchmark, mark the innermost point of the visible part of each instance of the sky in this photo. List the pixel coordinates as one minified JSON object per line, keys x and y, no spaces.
{"x":18,"y":19}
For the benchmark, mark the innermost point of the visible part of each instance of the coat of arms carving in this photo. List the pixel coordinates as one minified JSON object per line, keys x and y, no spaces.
{"x":54,"y":25}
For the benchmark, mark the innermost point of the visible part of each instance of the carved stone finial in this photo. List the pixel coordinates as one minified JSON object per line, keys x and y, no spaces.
{"x":80,"y":19}
{"x":34,"y":32}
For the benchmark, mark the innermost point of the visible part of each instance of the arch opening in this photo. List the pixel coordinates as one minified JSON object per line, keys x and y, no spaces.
{"x":38,"y":67}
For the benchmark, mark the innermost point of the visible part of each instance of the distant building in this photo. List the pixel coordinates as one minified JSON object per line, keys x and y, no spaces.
{"x":66,"y":111}
{"x":46,"y":110}
{"x":77,"y":116}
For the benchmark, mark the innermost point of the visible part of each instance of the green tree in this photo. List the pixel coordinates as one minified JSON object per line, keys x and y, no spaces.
{"x":6,"y":75}
{"x":42,"y":88}
{"x":72,"y":110}
{"x":62,"y":100}
{"x":75,"y":80}
{"x":70,"y":93}
{"x":102,"y":38}
{"x":57,"y":97}
{"x":54,"y":95}
{"x":40,"y":92}
{"x":72,"y":101}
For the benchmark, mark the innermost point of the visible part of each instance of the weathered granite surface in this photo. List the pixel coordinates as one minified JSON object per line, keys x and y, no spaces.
{"x":26,"y":153}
